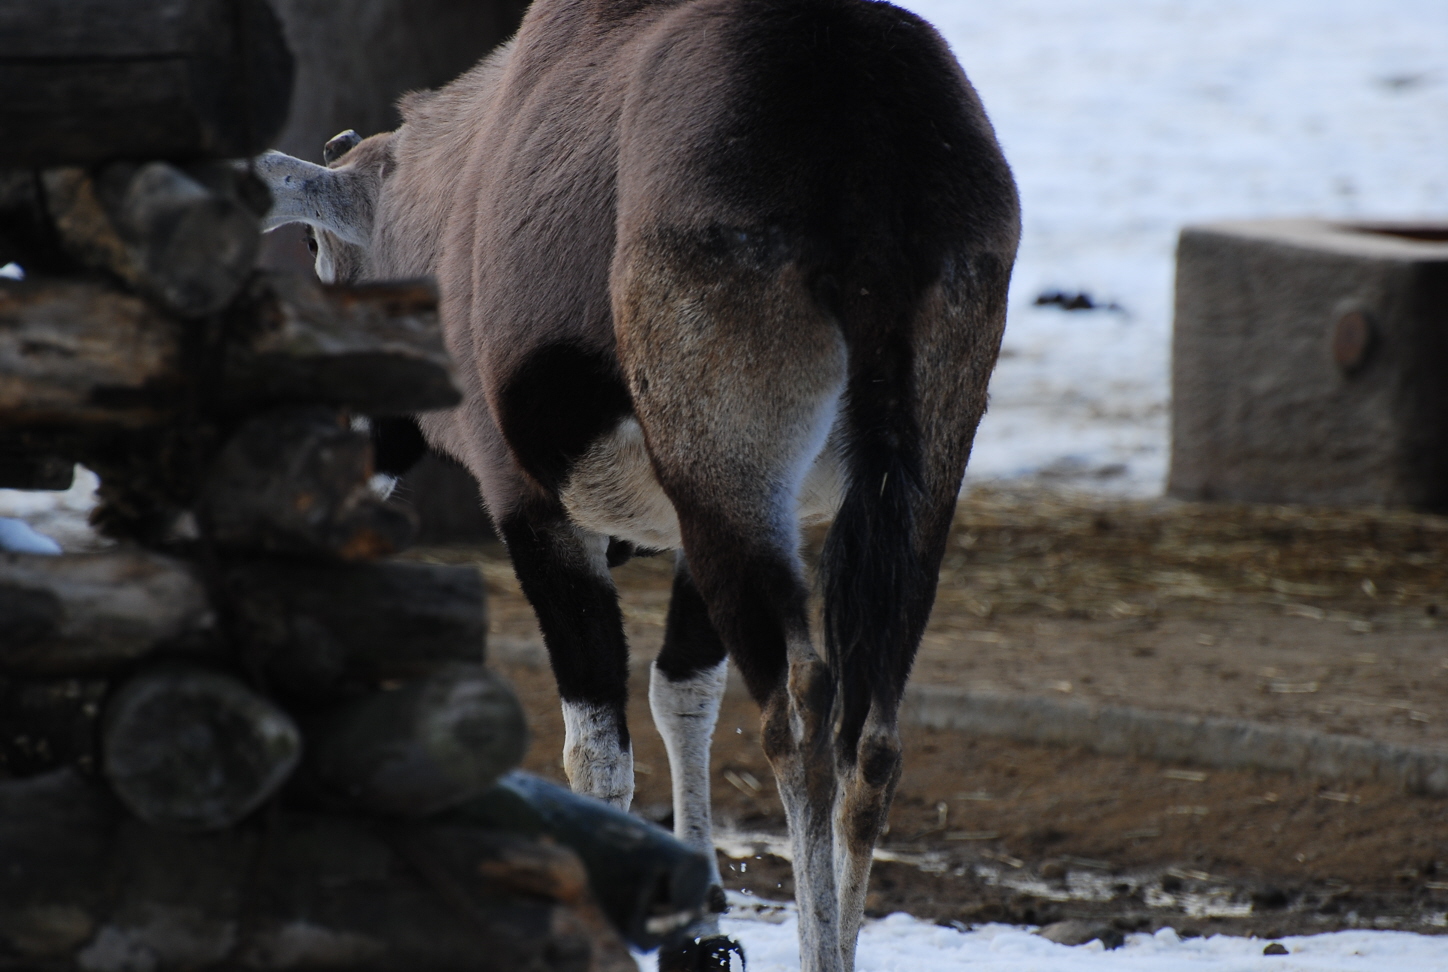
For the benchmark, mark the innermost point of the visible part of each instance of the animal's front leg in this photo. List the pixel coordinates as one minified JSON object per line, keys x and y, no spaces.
{"x":564,"y":573}
{"x":798,"y":740}
{"x":597,"y":754}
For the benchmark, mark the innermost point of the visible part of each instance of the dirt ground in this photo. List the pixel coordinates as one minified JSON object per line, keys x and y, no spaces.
{"x":1321,"y":619}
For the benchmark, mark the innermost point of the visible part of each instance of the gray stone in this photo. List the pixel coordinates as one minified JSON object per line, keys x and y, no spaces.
{"x":1077,"y":931}
{"x":1308,"y":364}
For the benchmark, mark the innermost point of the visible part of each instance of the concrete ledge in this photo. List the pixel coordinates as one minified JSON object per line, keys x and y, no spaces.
{"x":1173,"y":737}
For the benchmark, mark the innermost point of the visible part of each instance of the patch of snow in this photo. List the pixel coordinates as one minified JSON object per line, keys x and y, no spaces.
{"x":17,"y":536}
{"x":59,"y":516}
{"x":767,"y":931}
{"x":1125,"y":120}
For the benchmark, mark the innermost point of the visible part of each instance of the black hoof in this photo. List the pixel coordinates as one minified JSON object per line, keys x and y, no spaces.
{"x":713,"y":954}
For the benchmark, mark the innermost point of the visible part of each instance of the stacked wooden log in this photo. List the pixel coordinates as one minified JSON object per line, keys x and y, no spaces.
{"x":243,"y":736}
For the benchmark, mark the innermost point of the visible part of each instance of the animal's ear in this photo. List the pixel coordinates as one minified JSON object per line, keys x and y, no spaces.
{"x":337,"y":200}
{"x":339,"y":145}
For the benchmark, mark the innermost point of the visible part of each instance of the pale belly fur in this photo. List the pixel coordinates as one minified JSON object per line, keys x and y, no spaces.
{"x":612,"y":490}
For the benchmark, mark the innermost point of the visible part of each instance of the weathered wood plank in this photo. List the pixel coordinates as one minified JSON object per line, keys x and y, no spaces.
{"x":294,"y":481}
{"x":90,"y":80}
{"x":75,"y":351}
{"x":85,"y":888}
{"x":184,"y":245}
{"x":321,"y":629}
{"x":78,"y":351}
{"x":374,"y":347}
{"x":82,"y":613}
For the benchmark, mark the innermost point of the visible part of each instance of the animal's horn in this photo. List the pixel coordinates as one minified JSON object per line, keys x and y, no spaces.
{"x":304,"y":192}
{"x":339,"y":145}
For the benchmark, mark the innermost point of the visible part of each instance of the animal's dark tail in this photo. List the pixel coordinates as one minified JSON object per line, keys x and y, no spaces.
{"x":878,"y":588}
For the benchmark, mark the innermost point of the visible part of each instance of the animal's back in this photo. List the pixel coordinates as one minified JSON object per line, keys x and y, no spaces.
{"x":838,"y":135}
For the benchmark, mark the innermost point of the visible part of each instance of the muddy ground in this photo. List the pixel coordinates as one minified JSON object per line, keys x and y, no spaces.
{"x":1326,"y":620}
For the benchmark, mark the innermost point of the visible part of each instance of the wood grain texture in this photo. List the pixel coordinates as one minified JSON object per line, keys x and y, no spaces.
{"x":187,"y":246}
{"x":431,"y":744}
{"x":192,"y":749}
{"x":78,"y":352}
{"x":91,"y":80}
{"x":81,"y":613}
{"x":374,"y":347}
{"x":320,"y":630}
{"x":294,"y":481}
{"x":75,"y":351}
{"x":86,"y":888}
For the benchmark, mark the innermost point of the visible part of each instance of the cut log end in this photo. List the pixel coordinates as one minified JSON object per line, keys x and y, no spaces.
{"x":191,"y":749}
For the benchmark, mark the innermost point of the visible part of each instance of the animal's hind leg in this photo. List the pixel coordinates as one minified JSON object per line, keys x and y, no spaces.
{"x":564,"y":573}
{"x":866,"y":788}
{"x":882,"y":558}
{"x":736,"y":375}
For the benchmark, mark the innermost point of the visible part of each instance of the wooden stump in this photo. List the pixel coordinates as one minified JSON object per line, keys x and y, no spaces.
{"x":191,"y":749}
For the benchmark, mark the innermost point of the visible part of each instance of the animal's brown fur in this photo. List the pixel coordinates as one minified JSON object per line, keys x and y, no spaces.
{"x":700,"y":259}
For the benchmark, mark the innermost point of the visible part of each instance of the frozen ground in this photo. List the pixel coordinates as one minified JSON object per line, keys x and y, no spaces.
{"x":1124,"y":120}
{"x":900,"y":943}
{"x":55,"y":516}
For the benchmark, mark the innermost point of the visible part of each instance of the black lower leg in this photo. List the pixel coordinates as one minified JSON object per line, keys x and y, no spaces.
{"x":691,"y":644}
{"x":567,"y":582}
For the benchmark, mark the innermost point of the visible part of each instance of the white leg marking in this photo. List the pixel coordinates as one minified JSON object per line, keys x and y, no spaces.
{"x":594,"y":761}
{"x":685,"y":713}
{"x":382,"y":485}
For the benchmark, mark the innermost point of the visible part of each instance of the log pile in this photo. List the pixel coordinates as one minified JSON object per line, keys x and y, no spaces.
{"x":242,"y":736}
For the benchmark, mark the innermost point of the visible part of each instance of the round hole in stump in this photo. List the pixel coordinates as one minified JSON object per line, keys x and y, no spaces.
{"x":1352,"y":339}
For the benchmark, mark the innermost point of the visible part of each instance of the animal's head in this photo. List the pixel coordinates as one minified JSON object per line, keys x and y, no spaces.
{"x":336,"y":201}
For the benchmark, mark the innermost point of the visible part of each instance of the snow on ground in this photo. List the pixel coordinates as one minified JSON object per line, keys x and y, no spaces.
{"x":1124,"y":120}
{"x":59,"y":516}
{"x":900,"y":943}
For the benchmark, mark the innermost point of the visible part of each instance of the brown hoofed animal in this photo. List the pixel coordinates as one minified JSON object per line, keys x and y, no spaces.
{"x":710,"y":269}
